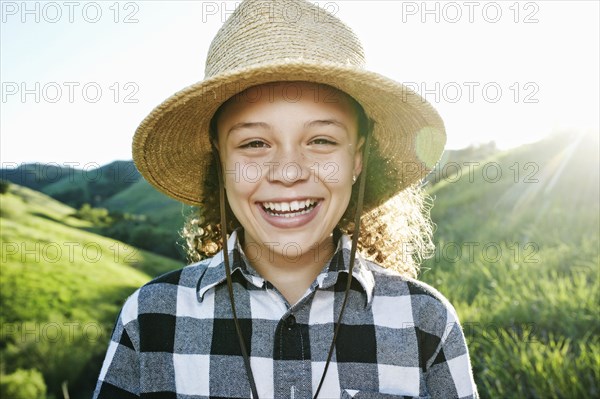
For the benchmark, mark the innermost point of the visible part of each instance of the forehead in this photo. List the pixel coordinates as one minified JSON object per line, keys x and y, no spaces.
{"x":312,"y":96}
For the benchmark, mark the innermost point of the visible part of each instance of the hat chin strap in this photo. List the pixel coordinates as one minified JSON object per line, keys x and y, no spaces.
{"x":222,"y":201}
{"x":356,"y":233}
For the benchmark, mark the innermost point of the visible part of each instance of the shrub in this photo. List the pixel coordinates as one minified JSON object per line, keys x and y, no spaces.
{"x":4,"y":186}
{"x":23,"y":384}
{"x":98,"y":216}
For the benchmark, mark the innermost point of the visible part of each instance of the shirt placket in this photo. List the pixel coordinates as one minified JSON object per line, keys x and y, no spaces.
{"x":291,"y":353}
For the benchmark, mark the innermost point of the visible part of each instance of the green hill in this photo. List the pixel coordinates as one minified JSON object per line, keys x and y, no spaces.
{"x":93,"y":185}
{"x":454,"y":160}
{"x":518,"y":255}
{"x":135,"y":212}
{"x":90,"y":184}
{"x":142,"y":199}
{"x":117,"y":187}
{"x":61,"y":290}
{"x":34,"y":175}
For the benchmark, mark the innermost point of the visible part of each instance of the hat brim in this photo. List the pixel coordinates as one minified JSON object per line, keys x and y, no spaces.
{"x":172,"y":150}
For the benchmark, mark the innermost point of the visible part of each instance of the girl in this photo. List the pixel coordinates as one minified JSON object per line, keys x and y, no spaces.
{"x":283,"y":146}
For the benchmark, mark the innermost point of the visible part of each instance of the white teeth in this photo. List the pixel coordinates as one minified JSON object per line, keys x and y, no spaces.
{"x":294,"y":207}
{"x":291,"y":215}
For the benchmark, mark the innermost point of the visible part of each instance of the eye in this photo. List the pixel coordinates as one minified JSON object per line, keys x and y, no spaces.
{"x":254,"y":144}
{"x":322,"y":141}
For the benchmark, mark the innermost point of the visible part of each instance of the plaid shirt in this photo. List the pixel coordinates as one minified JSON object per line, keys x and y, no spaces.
{"x":175,"y":337}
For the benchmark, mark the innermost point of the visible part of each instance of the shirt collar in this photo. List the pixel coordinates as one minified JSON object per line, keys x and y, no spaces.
{"x":215,"y":271}
{"x":339,"y":263}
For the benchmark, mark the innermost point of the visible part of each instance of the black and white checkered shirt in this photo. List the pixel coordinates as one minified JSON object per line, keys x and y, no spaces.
{"x":175,"y":337}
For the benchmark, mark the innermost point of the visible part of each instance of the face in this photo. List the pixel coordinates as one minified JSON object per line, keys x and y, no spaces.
{"x":289,"y":153}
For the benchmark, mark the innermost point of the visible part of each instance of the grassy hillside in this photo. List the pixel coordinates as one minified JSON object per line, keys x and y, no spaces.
{"x":117,"y":186}
{"x":93,"y":185}
{"x":518,"y":256}
{"x":134,"y":212}
{"x":61,"y":290}
{"x":35,"y":175}
{"x":89,"y":183}
{"x":143,"y":199}
{"x":464,"y":156}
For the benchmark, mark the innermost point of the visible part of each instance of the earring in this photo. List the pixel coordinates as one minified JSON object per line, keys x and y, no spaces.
{"x":353,"y":179}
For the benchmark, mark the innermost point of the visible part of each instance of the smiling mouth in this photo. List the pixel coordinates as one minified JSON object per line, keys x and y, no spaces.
{"x":289,"y":209}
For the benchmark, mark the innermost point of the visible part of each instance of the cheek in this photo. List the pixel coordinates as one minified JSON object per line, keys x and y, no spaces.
{"x":242,"y":180}
{"x":242,"y":177}
{"x":237,"y":187}
{"x":238,"y":197}
{"x":337,"y":172}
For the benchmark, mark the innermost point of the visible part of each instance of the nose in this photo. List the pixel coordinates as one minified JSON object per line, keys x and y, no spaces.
{"x":289,"y":166}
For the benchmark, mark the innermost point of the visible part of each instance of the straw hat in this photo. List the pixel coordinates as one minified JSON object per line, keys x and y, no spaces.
{"x":292,"y":40}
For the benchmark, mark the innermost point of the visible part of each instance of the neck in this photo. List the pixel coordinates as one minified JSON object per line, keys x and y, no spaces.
{"x":292,"y":273}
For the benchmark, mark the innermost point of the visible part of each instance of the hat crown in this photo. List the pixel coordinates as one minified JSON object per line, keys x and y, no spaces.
{"x":267,"y":31}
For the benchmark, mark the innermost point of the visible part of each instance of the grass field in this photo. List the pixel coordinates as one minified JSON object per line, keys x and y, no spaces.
{"x":61,"y":290}
{"x":518,"y":256}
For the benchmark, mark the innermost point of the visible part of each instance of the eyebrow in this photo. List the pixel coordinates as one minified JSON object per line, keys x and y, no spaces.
{"x":326,"y":122}
{"x":317,"y":122}
{"x":248,"y":125}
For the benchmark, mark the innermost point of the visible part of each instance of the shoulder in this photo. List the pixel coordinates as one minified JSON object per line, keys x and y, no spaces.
{"x":160,"y":294}
{"x":185,"y":277}
{"x":428,"y":307}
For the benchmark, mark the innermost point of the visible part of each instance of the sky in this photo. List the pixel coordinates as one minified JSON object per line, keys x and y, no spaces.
{"x":79,"y":76}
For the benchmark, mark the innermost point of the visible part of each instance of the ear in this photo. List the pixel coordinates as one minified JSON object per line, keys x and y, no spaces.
{"x":214,"y":144}
{"x":358,"y":156}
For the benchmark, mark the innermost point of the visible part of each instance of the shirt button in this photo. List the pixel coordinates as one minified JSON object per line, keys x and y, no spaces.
{"x":290,"y":322}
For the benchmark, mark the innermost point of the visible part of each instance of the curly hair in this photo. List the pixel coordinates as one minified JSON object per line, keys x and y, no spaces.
{"x":396,"y":233}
